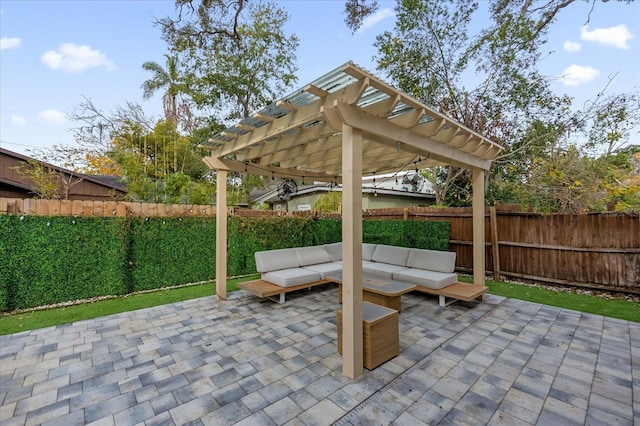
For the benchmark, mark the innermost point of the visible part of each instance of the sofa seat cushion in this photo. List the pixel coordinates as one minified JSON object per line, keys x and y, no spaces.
{"x":391,"y":254}
{"x":324,"y":269}
{"x":272,"y":260}
{"x":312,"y":255}
{"x":383,"y":270}
{"x":424,"y":278}
{"x":432,"y":260}
{"x":291,"y":277}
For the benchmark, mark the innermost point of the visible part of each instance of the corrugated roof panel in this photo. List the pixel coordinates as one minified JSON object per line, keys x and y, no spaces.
{"x":236,"y":130}
{"x":301,"y":98}
{"x":334,"y":80}
{"x":272,"y":110}
{"x":253,"y":122}
{"x":371,"y":96}
{"x":400,"y":109}
{"x":425,"y":119}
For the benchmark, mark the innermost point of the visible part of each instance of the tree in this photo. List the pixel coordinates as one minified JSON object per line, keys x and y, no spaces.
{"x":161,"y":165}
{"x":168,"y":80}
{"x":235,"y":71}
{"x":238,"y":59}
{"x":430,"y":50}
{"x":45,"y":181}
{"x":542,"y":14}
{"x":204,"y":19}
{"x":329,"y":202}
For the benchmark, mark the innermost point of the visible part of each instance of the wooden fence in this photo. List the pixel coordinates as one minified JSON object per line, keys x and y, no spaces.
{"x":594,"y":250}
{"x":30,"y":206}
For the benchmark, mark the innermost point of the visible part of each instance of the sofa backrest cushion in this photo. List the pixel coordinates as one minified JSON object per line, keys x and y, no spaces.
{"x":334,"y":251}
{"x":367,"y":250}
{"x":273,"y":260}
{"x":312,"y":255}
{"x":432,"y":260}
{"x":391,"y":254}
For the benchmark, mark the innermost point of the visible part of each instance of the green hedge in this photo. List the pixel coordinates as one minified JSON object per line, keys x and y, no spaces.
{"x":56,"y":259}
{"x":172,"y":251}
{"x":250,"y":234}
{"x":405,"y":233}
{"x":45,"y":260}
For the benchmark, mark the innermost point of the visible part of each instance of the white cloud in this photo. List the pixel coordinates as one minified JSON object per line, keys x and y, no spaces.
{"x":75,"y":59}
{"x":617,"y":36}
{"x":18,"y":120}
{"x":572,"y":46}
{"x":52,"y":116}
{"x":574,"y":75}
{"x":372,"y":20}
{"x":9,"y":42}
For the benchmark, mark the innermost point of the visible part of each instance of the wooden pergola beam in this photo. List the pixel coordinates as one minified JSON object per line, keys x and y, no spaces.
{"x":394,"y":133}
{"x":262,"y":170}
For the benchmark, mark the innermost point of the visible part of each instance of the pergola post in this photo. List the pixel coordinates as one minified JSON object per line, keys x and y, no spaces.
{"x":352,"y":341}
{"x":221,"y":235}
{"x":478,"y":227}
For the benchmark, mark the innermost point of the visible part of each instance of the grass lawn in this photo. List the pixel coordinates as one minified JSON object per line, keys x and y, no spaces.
{"x":615,"y":308}
{"x":18,"y":322}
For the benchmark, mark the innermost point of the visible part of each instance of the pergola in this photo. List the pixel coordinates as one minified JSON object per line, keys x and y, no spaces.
{"x":344,"y":125}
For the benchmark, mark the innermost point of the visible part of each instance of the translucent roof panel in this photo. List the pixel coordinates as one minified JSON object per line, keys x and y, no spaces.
{"x":281,"y":135}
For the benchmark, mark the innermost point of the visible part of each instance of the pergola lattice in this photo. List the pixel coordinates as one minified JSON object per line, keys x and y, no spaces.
{"x":344,"y":125}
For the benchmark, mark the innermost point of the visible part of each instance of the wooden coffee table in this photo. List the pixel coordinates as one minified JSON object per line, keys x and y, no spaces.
{"x":378,"y":290}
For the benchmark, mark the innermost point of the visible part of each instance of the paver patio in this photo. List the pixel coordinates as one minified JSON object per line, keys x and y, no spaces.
{"x":251,"y":362}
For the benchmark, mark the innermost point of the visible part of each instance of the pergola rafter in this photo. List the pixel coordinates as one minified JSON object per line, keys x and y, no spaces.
{"x":344,"y":125}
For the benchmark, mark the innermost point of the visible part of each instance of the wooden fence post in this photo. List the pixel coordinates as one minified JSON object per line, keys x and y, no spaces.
{"x":495,"y":249}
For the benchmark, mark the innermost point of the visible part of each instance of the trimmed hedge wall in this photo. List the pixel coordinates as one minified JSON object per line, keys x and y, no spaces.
{"x":46,"y":260}
{"x":172,"y":251}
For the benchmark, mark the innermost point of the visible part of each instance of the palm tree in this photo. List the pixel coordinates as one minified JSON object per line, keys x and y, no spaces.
{"x":168,"y":80}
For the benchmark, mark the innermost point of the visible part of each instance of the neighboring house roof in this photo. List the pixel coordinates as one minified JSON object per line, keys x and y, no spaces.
{"x":388,"y":186}
{"x":94,"y":186}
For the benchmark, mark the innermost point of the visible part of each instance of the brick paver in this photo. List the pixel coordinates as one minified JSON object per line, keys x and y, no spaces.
{"x":250,"y":361}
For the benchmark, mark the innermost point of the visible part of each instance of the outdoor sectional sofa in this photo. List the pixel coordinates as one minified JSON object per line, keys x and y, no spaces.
{"x":291,"y":269}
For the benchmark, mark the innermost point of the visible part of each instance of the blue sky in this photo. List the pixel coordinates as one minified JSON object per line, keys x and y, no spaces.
{"x":55,"y":52}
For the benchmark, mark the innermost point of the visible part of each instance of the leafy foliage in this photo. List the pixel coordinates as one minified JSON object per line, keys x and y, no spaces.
{"x":45,"y":181}
{"x":56,"y":259}
{"x":430,"y":51}
{"x":170,"y":81}
{"x":172,"y":251}
{"x":413,"y":233}
{"x":50,"y":260}
{"x":329,"y":202}
{"x":248,"y":235}
{"x":236,"y":71}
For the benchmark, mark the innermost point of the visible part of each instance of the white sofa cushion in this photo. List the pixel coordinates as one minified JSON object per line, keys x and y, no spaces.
{"x":312,"y":255}
{"x":424,"y":278}
{"x":391,"y":254}
{"x":291,"y":277}
{"x":325,"y":269}
{"x":432,"y":260}
{"x":273,"y":260}
{"x":380,"y":269}
{"x":367,"y":250}
{"x":334,"y":251}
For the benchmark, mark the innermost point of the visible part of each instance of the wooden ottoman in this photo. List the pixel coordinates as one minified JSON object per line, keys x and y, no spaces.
{"x":381,"y":336}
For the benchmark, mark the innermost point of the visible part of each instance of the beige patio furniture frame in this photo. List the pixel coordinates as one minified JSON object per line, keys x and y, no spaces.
{"x":346,"y":124}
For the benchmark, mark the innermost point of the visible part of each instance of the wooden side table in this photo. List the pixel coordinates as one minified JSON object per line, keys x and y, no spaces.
{"x":381,"y":335}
